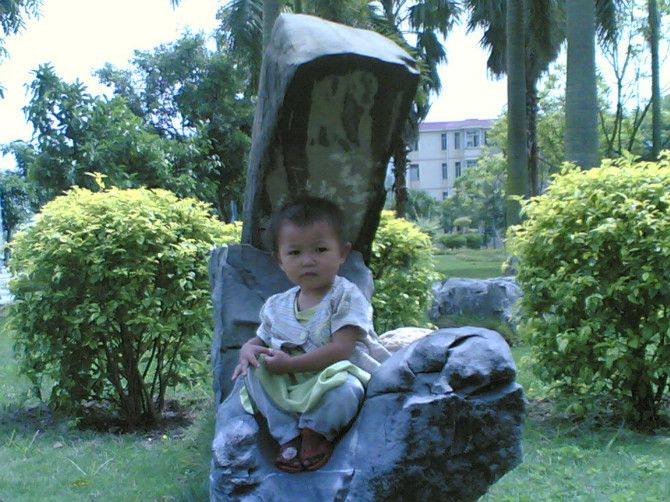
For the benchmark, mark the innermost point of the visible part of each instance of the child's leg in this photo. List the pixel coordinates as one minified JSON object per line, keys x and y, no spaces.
{"x":336,"y":409}
{"x":283,"y":425}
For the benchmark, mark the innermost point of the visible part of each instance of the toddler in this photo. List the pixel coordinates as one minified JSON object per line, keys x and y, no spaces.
{"x":306,"y":369}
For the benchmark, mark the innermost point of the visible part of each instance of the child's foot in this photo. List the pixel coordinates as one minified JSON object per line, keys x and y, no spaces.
{"x":288,"y":459}
{"x":315,"y":451}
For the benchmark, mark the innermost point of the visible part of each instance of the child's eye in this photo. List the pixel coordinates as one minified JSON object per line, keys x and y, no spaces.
{"x":322,"y":250}
{"x":294,"y":252}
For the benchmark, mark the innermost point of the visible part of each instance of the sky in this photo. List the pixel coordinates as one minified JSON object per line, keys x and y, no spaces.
{"x":80,"y":36}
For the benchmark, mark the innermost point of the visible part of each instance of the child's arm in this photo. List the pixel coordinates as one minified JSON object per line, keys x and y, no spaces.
{"x":339,"y":349}
{"x":249,"y":356}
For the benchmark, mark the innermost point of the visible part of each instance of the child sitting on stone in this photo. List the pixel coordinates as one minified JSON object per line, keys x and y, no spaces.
{"x":306,"y":369}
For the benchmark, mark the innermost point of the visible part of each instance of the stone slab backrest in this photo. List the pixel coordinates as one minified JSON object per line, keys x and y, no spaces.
{"x":332,"y":101}
{"x":242,"y":277}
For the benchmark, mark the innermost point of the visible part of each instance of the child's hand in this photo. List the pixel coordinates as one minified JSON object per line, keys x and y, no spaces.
{"x":278,"y":362}
{"x":249,"y":356}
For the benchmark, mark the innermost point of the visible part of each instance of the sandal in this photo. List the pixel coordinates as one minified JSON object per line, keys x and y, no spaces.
{"x":315,"y":451}
{"x":288,"y":459}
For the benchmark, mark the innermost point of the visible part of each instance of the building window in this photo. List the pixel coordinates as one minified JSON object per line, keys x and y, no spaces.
{"x":445,"y":195}
{"x":486,"y":138}
{"x":445,"y":171}
{"x":457,"y":141}
{"x":443,"y":138}
{"x":472,"y":139}
{"x":471,"y":163}
{"x":414,"y":145}
{"x":414,"y":172}
{"x":458,"y":169}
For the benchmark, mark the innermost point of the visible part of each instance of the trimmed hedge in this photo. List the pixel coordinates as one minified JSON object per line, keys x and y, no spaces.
{"x":403,"y":270}
{"x":112,"y":295}
{"x":594,"y":265}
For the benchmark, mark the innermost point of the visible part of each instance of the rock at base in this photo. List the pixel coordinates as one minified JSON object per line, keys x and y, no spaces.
{"x":442,"y":420}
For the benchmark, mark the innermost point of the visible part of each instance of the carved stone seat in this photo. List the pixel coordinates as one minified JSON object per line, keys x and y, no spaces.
{"x":442,"y":418}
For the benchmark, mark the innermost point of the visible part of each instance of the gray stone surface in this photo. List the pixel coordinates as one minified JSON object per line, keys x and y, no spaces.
{"x":490,"y":298}
{"x":396,"y":339}
{"x":442,"y":420}
{"x":330,"y":102}
{"x":242,"y":278}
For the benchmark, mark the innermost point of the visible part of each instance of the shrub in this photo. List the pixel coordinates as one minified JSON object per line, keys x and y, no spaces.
{"x":594,"y":265}
{"x":453,"y":241}
{"x":403,"y":271}
{"x":473,"y":240}
{"x":112,"y":297}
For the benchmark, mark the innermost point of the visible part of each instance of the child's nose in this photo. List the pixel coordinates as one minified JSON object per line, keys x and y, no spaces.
{"x":308,"y":258}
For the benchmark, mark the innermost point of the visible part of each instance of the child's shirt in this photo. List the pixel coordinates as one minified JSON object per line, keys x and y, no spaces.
{"x":343,"y":305}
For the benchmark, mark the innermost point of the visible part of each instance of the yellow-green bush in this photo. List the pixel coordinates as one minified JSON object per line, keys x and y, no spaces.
{"x":111,"y":295}
{"x":594,"y":265}
{"x":403,"y":270}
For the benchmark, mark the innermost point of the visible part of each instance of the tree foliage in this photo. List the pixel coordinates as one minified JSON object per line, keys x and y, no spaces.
{"x":13,"y":14}
{"x":112,"y":295}
{"x":196,"y":98}
{"x":594,"y":264}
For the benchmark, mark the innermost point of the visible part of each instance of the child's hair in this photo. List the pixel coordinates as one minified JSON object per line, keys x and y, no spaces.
{"x":303,"y":211}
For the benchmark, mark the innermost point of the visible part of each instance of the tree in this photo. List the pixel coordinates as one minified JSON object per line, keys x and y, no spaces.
{"x":542,"y":40}
{"x":18,"y":202}
{"x":13,"y":14}
{"x":654,"y":28}
{"x":425,"y":22}
{"x":581,"y":131}
{"x":76,"y":133}
{"x":517,"y":176}
{"x":195,"y":98}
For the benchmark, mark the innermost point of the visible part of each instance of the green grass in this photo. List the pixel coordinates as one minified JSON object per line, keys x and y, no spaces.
{"x":476,"y":264}
{"x":564,"y":460}
{"x":45,"y":459}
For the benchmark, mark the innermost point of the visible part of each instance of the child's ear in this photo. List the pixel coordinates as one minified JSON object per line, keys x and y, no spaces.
{"x":346,"y":249}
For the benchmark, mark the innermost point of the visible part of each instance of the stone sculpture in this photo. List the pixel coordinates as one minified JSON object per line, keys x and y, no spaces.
{"x":442,"y":418}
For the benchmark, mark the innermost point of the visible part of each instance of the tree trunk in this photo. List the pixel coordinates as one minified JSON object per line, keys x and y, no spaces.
{"x":581,"y":105}
{"x":654,"y":27}
{"x":270,"y":14}
{"x":399,"y":173}
{"x":517,"y":165}
{"x":533,"y":156}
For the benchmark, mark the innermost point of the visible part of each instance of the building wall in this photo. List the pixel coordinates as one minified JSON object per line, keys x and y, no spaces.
{"x":463,"y":141}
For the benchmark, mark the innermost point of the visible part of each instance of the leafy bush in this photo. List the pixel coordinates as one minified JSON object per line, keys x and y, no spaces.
{"x":594,"y":265}
{"x":473,"y":240}
{"x":112,"y":295}
{"x":453,"y":241}
{"x":403,"y":270}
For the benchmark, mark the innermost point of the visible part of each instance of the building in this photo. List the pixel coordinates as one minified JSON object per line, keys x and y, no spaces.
{"x":442,"y":153}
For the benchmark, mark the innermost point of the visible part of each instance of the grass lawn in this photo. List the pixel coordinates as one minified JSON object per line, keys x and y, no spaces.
{"x":45,"y":459}
{"x":477,"y":264}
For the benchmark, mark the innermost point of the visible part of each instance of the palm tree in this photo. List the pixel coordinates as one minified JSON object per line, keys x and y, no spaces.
{"x":654,"y":27}
{"x":517,"y":170}
{"x":423,"y":21}
{"x":270,"y":14}
{"x":581,"y":105}
{"x":543,"y":35}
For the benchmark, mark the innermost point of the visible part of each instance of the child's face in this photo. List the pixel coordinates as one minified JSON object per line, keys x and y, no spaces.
{"x":310,"y":255}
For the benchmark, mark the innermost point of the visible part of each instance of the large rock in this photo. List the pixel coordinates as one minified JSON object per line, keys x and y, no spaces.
{"x":331,"y":102}
{"x":489,"y":298}
{"x":442,"y":420}
{"x":398,"y":338}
